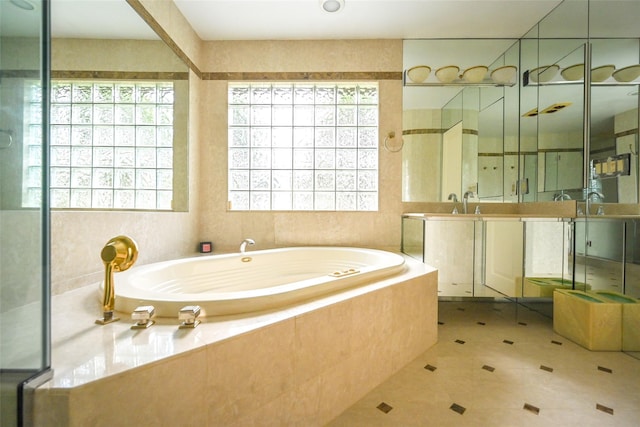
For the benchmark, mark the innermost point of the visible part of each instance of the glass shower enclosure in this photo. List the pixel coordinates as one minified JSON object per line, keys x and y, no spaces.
{"x":24,"y":231}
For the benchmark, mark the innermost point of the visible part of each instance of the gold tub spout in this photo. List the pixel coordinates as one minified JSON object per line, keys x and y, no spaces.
{"x":118,"y":254}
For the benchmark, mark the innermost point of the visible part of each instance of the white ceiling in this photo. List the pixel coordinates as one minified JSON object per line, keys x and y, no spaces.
{"x":362,"y":19}
{"x":305,"y":20}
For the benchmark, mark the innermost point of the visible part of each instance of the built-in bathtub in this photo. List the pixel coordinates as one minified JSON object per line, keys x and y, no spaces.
{"x":300,"y":365}
{"x":250,"y":282}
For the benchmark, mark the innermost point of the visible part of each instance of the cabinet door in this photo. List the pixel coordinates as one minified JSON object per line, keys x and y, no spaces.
{"x":569,"y":163}
{"x":600,"y":238}
{"x":449,"y":247}
{"x":503,"y":256}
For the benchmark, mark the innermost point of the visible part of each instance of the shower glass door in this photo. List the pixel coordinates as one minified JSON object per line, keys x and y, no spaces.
{"x":24,"y":241}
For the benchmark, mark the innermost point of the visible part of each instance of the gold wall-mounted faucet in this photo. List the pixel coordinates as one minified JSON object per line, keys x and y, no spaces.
{"x":118,"y":254}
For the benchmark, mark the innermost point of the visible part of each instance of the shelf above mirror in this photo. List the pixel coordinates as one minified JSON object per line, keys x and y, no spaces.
{"x":459,"y":83}
{"x":496,"y":78}
{"x":526,"y":81}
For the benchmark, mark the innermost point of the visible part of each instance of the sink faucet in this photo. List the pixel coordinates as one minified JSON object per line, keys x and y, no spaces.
{"x":561,"y":196}
{"x":465,"y":199}
{"x":452,"y":196}
{"x":245,"y":242}
{"x":588,"y":201}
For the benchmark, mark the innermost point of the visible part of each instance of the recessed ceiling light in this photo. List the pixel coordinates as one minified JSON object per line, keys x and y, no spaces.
{"x":332,"y":6}
{"x":22,"y":4}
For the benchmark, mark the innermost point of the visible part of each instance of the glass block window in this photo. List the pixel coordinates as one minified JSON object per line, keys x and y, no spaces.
{"x":111,"y":145}
{"x":32,"y":137}
{"x":303,"y":146}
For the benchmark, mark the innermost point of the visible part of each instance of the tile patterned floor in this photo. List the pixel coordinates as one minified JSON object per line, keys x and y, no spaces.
{"x":466,"y":290}
{"x":500,"y":364}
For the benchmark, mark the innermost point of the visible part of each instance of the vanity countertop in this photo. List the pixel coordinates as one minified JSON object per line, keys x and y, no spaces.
{"x":481,"y":216}
{"x":566,"y":209}
{"x":560,"y":209}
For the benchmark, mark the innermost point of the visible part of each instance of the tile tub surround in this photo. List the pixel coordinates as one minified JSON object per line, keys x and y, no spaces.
{"x":302,"y":365}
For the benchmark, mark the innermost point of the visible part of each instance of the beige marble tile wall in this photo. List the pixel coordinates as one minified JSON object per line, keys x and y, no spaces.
{"x":96,"y":54}
{"x":226,"y":228}
{"x":302,"y":370}
{"x":78,"y":238}
{"x":280,"y":56}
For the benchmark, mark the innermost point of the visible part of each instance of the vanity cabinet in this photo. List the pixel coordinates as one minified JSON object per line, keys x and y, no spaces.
{"x":484,"y":256}
{"x":530,"y":257}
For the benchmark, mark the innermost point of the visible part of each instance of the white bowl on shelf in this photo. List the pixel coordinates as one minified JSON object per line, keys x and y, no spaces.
{"x":627,"y":74}
{"x":602,"y":73}
{"x":475,"y":74}
{"x":419,"y":73}
{"x":573,"y":73}
{"x":504,"y":75}
{"x":543,"y":74}
{"x":447,"y":74}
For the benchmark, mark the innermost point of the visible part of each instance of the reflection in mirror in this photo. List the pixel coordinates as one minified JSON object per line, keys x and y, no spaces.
{"x":452,"y":162}
{"x":613,"y":18}
{"x":613,"y":131}
{"x":119,"y":112}
{"x":470,"y":109}
{"x":452,"y":147}
{"x":511,"y":100}
{"x":614,"y":123}
{"x":490,"y":151}
{"x":552,"y":121}
{"x":569,"y":20}
{"x":430,"y":113}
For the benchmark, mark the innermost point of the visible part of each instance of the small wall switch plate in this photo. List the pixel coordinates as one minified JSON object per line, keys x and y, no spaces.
{"x":206,"y":247}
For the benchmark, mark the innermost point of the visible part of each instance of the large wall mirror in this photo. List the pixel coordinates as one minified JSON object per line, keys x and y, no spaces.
{"x":121,"y":96}
{"x":526,"y":142}
{"x":558,"y":128}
